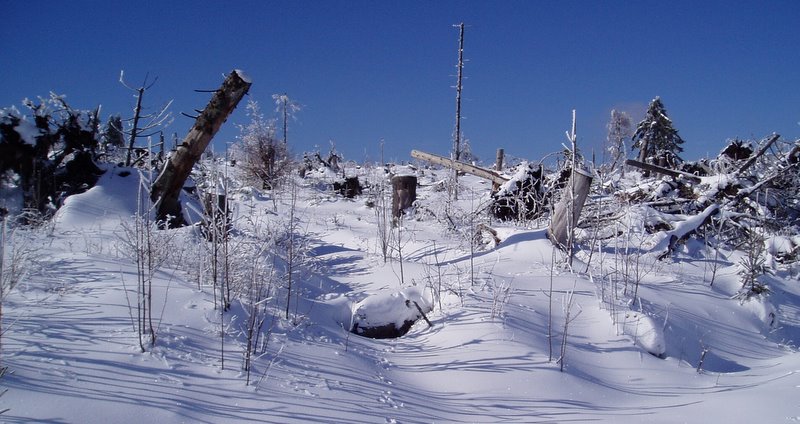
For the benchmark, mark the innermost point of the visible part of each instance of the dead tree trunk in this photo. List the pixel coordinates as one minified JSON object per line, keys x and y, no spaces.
{"x":457,"y":135}
{"x":166,"y":189}
{"x":404,"y":193}
{"x":498,"y":167}
{"x":560,"y":225}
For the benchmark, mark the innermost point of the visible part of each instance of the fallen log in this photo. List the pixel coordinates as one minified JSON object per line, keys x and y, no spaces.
{"x":484,"y":173}
{"x":661,"y":170}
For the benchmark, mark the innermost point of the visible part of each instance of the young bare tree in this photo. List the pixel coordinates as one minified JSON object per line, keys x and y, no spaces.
{"x":154,"y":122}
{"x":287,"y":108}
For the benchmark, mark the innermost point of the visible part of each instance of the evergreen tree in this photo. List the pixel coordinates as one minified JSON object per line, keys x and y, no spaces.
{"x":658,"y":142}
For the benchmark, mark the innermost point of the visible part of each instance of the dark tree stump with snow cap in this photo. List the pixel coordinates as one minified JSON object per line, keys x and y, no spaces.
{"x":404,"y":193}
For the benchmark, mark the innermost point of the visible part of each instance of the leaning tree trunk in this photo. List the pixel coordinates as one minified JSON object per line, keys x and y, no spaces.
{"x":166,"y":189}
{"x":567,"y":211}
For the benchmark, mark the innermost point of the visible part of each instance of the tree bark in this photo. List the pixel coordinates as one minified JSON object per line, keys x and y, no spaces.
{"x":166,"y":189}
{"x":560,"y":225}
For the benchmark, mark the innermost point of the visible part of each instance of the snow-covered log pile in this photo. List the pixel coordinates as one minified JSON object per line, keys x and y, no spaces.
{"x":746,"y":188}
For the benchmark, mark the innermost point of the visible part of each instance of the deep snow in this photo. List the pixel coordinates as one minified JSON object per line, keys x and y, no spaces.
{"x":72,"y":354}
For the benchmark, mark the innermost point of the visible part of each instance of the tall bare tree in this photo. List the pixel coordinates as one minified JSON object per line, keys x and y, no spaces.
{"x":457,"y":133}
{"x":154,"y":121}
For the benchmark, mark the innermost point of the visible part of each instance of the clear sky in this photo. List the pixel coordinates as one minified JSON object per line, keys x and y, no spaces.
{"x":371,"y":70}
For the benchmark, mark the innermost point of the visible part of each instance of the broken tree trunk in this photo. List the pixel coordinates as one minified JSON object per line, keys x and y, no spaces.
{"x":166,"y":189}
{"x":404,"y":193}
{"x":498,"y":166}
{"x":488,"y":174}
{"x":662,"y":170}
{"x":567,"y":212}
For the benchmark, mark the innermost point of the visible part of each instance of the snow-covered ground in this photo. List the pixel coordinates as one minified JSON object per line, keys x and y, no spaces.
{"x":73,"y":356}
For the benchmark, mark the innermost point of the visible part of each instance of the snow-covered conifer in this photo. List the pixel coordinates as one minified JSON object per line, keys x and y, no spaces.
{"x":655,"y":137}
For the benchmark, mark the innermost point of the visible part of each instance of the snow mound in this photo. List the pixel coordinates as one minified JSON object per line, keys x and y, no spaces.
{"x":645,"y":333}
{"x":388,"y":315}
{"x":763,"y":310}
{"x":103,"y":206}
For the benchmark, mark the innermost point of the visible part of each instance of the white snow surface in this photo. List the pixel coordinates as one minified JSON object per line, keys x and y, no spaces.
{"x":73,"y":357}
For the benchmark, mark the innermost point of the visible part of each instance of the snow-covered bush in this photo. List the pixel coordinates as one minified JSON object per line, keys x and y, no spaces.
{"x":264,"y":159}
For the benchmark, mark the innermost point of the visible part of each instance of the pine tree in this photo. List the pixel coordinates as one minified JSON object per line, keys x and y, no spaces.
{"x":658,"y":142}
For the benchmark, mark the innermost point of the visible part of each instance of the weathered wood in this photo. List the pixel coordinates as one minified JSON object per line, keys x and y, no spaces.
{"x":567,"y":212}
{"x":662,"y":170}
{"x":167,"y":187}
{"x":488,"y":174}
{"x":404,"y":193}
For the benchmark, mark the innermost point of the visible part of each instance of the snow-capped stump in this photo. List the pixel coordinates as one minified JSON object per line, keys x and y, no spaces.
{"x":390,"y":315}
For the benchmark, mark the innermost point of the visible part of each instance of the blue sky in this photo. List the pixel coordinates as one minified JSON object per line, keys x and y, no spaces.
{"x":371,"y":70}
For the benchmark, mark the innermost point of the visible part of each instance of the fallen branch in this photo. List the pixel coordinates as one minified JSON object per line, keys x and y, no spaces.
{"x":425,"y":317}
{"x":683,"y":230}
{"x":661,"y":170}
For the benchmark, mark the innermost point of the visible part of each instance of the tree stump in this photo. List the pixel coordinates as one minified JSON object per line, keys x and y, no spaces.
{"x":349,"y":188}
{"x":567,"y":211}
{"x":404,"y":193}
